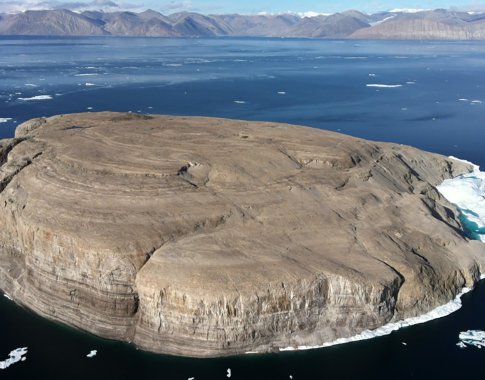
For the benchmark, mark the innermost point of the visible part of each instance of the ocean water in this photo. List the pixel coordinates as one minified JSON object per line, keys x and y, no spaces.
{"x":425,"y":94}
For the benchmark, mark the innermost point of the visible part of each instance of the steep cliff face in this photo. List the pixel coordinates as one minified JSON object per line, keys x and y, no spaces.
{"x":423,"y":29}
{"x":206,"y":237}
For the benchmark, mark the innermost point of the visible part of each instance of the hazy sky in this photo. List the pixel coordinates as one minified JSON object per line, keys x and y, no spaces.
{"x":239,"y":6}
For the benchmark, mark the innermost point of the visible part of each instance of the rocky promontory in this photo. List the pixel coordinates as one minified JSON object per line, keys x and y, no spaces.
{"x":206,"y":237}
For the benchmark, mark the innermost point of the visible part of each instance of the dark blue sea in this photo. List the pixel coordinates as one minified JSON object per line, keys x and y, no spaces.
{"x":425,"y":94}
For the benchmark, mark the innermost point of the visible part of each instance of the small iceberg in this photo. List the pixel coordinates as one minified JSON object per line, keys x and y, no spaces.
{"x":281,"y":92}
{"x":15,"y":356}
{"x":383,"y":85}
{"x":88,"y":84}
{"x":229,"y":372}
{"x":92,"y":354}
{"x":38,"y":97}
{"x":239,"y":102}
{"x":86,"y":75}
{"x":5,"y":119}
{"x":474,"y":338}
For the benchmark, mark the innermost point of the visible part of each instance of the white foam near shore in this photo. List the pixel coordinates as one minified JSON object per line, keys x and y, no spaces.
{"x":38,"y":97}
{"x":378,"y":85}
{"x":15,"y":356}
{"x":439,"y":312}
{"x":7,"y":296}
{"x":5,"y":119}
{"x":467,"y":191}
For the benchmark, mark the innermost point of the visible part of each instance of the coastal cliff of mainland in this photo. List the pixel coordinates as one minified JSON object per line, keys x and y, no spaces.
{"x":209,"y":237}
{"x":438,"y":24}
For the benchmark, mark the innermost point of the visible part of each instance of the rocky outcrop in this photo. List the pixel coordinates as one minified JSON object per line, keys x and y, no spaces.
{"x":208,"y":237}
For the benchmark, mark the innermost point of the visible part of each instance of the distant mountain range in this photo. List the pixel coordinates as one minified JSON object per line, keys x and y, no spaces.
{"x":434,"y":24}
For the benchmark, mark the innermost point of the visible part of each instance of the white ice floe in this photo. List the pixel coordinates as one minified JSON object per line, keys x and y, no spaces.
{"x":476,"y":102}
{"x":439,"y":312}
{"x":30,"y":85}
{"x":281,"y":92}
{"x":86,"y":75}
{"x":229,"y":372}
{"x":239,"y":101}
{"x":383,"y":85}
{"x":474,"y":338}
{"x":5,"y":119}
{"x":463,"y":100}
{"x":372,"y":75}
{"x":15,"y":356}
{"x":38,"y":97}
{"x":88,"y":84}
{"x":467,"y":191}
{"x":92,"y":354}
{"x":411,"y":82}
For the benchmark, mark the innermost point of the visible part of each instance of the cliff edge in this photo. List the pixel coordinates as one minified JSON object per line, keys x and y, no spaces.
{"x":209,"y":237}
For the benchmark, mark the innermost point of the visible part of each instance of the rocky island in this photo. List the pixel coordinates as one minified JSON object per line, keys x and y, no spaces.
{"x":210,"y":237}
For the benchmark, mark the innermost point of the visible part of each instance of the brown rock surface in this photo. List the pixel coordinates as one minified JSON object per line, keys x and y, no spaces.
{"x":207,"y":237}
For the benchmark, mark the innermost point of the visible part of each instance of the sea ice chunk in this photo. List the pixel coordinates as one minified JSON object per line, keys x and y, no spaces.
{"x":92,"y":354}
{"x":15,"y":356}
{"x":38,"y":97}
{"x":383,"y":85}
{"x":471,"y":338}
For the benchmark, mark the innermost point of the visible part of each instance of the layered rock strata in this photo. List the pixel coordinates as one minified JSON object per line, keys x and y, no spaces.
{"x":209,"y":237}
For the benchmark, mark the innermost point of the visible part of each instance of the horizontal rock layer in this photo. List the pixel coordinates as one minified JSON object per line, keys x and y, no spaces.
{"x":210,"y":237}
